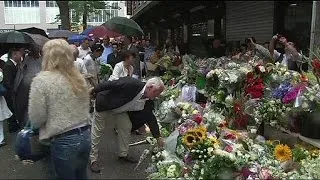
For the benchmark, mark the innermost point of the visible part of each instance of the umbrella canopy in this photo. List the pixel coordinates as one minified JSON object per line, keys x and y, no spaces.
{"x":34,"y":30}
{"x":100,"y":32}
{"x":38,"y":39}
{"x":124,"y":26}
{"x":77,"y":38}
{"x":61,"y":34}
{"x":15,"y":37}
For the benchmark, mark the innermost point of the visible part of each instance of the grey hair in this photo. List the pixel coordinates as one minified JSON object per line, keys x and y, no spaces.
{"x":156,"y":81}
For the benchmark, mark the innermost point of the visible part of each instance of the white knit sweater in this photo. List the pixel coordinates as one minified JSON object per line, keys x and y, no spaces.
{"x":53,"y":106}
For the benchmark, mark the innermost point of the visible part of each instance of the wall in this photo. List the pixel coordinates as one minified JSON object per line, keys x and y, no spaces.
{"x":41,"y":25}
{"x":249,"y":18}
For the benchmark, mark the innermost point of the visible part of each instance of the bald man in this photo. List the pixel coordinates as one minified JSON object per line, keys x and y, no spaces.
{"x":77,"y":61}
{"x":107,"y":49}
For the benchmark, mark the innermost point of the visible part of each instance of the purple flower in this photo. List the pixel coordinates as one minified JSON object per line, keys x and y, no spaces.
{"x":281,"y":91}
{"x":187,"y":158}
{"x":292,"y":94}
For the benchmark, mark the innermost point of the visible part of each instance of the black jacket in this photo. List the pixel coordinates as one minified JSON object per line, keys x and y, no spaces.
{"x":9,"y":75}
{"x":113,"y":60}
{"x":145,"y":116}
{"x":114,"y":94}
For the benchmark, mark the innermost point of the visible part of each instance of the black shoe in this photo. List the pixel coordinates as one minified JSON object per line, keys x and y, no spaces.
{"x":3,"y":144}
{"x":128,"y":159}
{"x":95,"y":167}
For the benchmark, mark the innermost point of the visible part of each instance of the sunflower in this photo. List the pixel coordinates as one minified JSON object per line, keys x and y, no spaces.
{"x":283,"y":153}
{"x":200,"y":134}
{"x":189,"y":139}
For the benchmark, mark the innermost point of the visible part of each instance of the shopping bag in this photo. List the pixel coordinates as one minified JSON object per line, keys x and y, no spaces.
{"x":28,"y":145}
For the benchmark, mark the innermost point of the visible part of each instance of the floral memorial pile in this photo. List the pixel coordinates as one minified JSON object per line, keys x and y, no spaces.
{"x":223,"y":135}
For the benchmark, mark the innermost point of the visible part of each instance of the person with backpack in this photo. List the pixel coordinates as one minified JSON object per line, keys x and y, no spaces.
{"x":290,"y":57}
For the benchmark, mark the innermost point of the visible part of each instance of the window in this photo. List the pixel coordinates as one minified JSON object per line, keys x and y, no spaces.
{"x":24,"y":4}
{"x":115,"y":5}
{"x":51,"y":4}
{"x":21,"y":3}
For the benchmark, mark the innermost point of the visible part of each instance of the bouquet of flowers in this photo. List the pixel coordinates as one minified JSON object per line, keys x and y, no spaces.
{"x":106,"y":69}
{"x":272,"y":111}
{"x":254,"y":86}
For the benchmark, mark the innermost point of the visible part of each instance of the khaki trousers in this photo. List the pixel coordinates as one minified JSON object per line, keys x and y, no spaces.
{"x":120,"y":121}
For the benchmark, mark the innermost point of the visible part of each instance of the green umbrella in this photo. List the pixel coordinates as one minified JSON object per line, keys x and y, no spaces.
{"x":15,"y":37}
{"x":124,"y":26}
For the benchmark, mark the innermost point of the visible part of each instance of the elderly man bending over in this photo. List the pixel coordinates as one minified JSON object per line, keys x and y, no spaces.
{"x":115,"y":100}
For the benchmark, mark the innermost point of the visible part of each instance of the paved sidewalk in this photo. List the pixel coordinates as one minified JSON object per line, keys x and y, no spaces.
{"x":11,"y":168}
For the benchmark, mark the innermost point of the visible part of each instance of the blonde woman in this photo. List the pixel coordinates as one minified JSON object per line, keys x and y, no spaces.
{"x":58,"y":106}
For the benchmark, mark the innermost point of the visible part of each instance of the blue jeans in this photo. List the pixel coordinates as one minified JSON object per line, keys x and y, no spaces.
{"x":70,"y":155}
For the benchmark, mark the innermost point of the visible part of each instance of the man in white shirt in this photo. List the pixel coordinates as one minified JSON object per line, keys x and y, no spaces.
{"x":114,"y":100}
{"x":84,"y":49}
{"x":290,"y":58}
{"x":79,"y":63}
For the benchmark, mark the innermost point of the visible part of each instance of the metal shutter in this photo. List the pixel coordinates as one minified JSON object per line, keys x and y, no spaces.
{"x":249,"y":18}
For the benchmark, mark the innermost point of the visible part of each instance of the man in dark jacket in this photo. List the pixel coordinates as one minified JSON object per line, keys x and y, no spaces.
{"x":114,"y":57}
{"x":114,"y":99}
{"x":9,"y":74}
{"x":27,"y":70}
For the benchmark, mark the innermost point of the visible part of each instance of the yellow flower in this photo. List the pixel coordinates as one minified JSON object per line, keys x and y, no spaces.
{"x":200,"y":134}
{"x":195,"y":112}
{"x":283,"y":153}
{"x":269,"y":142}
{"x":189,"y":139}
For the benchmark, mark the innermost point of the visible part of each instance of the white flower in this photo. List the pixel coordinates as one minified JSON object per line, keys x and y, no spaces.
{"x":262,"y":69}
{"x":210,"y":150}
{"x":202,"y":171}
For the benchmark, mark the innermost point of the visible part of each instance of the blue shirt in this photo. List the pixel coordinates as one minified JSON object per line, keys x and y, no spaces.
{"x":107,"y":50}
{"x":148,"y":53}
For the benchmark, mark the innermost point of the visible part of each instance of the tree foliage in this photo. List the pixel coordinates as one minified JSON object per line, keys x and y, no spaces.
{"x":83,"y":9}
{"x":81,"y":12}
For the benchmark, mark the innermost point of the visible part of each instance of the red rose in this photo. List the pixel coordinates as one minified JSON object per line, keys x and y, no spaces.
{"x":316,"y":63}
{"x":228,"y":148}
{"x":250,"y":75}
{"x":198,"y":119}
{"x":230,"y":136}
{"x":256,"y":94}
{"x":237,"y":108}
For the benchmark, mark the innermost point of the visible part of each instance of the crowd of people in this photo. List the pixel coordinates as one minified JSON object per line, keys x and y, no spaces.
{"x":59,"y":91}
{"x":281,"y":49}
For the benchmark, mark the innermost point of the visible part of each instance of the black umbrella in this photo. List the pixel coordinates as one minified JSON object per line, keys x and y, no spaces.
{"x":61,"y":34}
{"x":39,"y":40}
{"x":34,"y":30}
{"x":15,"y":37}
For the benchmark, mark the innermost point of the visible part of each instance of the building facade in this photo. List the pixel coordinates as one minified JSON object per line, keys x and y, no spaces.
{"x":197,"y":22}
{"x":42,"y":14}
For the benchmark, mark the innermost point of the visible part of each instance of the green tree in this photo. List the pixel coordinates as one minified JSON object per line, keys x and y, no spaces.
{"x":84,"y":8}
